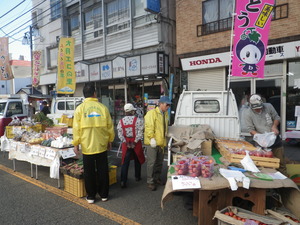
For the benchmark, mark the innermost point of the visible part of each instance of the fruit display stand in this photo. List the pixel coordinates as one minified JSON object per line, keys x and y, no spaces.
{"x":36,"y":155}
{"x":234,"y":151}
{"x":215,"y":193}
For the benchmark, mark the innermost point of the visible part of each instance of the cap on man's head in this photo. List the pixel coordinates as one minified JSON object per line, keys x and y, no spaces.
{"x":129,"y":107}
{"x":165,"y":99}
{"x":255,"y":102}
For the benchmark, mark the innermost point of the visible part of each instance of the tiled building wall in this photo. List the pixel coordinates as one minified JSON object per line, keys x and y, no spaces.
{"x":189,"y":15}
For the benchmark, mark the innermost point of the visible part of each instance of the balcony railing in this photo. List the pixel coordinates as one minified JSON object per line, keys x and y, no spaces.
{"x":214,"y":27}
{"x":279,"y":12}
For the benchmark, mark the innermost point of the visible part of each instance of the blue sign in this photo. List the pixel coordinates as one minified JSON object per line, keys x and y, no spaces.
{"x":152,"y":6}
{"x":290,"y":124}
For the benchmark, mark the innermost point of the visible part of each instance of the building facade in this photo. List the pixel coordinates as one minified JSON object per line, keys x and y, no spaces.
{"x":204,"y":51}
{"x":128,"y":52}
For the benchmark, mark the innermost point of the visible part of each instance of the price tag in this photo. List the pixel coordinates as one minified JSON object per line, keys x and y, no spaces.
{"x":35,"y":150}
{"x":42,"y":152}
{"x":67,"y":153}
{"x":185,"y":182}
{"x":27,"y":148}
{"x":14,"y":145}
{"x":21,"y":147}
{"x":50,"y":154}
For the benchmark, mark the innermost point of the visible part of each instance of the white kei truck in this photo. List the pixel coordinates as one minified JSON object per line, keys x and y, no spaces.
{"x":218,"y":109}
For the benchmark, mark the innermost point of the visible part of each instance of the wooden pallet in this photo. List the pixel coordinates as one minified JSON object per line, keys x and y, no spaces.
{"x":235,"y":158}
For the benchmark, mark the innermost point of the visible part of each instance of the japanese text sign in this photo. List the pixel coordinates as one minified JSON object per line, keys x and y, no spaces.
{"x":5,"y":69}
{"x":251,"y":30}
{"x":185,"y":182}
{"x":66,"y":78}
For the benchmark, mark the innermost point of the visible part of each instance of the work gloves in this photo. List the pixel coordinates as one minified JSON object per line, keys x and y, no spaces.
{"x":153,"y":143}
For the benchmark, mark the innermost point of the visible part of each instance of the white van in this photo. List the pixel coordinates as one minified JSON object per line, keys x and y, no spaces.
{"x":64,"y":105}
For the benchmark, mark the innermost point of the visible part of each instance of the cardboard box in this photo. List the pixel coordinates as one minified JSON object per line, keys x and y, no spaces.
{"x":293,"y":171}
{"x":206,"y":147}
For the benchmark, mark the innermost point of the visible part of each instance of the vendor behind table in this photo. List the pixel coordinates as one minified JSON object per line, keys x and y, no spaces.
{"x":262,"y":118}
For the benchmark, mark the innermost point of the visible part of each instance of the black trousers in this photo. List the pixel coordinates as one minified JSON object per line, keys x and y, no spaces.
{"x":96,"y":174}
{"x":137,"y":166}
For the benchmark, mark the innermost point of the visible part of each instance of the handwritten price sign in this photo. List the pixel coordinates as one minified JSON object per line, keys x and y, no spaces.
{"x":185,"y":182}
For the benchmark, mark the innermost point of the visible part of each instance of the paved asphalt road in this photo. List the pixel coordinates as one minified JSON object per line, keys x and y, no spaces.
{"x":25,"y":200}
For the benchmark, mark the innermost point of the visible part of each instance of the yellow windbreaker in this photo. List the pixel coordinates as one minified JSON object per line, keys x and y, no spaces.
{"x":154,"y":127}
{"x":92,"y":127}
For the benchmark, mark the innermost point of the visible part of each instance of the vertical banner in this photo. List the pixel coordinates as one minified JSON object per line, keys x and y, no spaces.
{"x":37,"y":57}
{"x":66,"y":77}
{"x":251,"y":30}
{"x":5,"y":69}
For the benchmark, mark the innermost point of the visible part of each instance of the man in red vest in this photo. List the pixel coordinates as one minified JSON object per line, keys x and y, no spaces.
{"x":130,"y":132}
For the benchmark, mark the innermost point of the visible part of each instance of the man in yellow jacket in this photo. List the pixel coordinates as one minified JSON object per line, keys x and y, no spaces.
{"x":93,"y":130}
{"x":156,"y":128}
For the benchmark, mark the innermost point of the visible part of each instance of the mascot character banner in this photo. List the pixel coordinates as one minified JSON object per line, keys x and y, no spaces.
{"x":251,"y":30}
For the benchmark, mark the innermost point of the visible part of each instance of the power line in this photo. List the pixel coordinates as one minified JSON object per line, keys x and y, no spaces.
{"x":12,"y":9}
{"x":22,"y":15}
{"x":29,"y":21}
{"x":26,"y":22}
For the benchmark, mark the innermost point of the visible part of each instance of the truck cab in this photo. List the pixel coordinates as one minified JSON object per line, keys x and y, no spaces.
{"x":11,"y":106}
{"x":218,"y":109}
{"x":64,"y":106}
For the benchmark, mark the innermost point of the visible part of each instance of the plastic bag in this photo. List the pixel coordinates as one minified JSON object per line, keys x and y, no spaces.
{"x":15,"y":121}
{"x":248,"y":164}
{"x":5,"y":144}
{"x":54,"y":168}
{"x":265,"y":140}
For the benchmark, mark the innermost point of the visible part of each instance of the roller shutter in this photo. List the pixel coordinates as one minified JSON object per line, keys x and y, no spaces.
{"x":207,"y":80}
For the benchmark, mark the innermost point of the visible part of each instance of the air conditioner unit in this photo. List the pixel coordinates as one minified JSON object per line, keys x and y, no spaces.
{"x":37,"y":17}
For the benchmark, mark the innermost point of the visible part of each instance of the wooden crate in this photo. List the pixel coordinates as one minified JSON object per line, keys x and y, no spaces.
{"x":235,"y":158}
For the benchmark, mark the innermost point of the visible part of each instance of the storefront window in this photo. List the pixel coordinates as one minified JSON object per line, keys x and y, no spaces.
{"x":293,"y":93}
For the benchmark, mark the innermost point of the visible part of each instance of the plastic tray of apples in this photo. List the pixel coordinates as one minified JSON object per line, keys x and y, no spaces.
{"x":207,"y":169}
{"x":195,"y":167}
{"x":181,"y":167}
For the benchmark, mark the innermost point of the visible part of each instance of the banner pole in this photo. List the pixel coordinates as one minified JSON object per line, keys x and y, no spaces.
{"x":230,"y":56}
